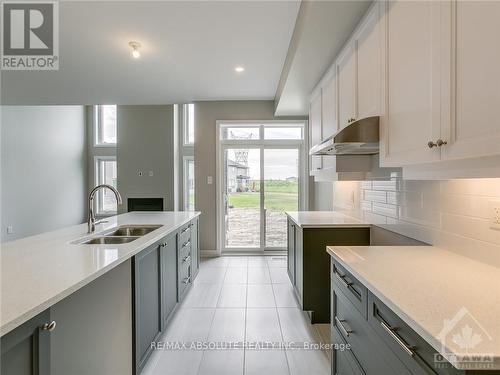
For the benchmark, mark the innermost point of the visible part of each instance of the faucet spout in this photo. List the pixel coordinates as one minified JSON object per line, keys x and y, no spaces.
{"x":91,"y":218}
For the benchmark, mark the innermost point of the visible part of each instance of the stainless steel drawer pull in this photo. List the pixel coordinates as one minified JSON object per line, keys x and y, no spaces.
{"x":340,"y":324}
{"x":398,"y":339}
{"x":187,"y":259}
{"x":164,"y":244}
{"x":185,"y":230}
{"x":186,"y":243}
{"x":342,"y":278}
{"x":186,"y":280}
{"x":49,"y":326}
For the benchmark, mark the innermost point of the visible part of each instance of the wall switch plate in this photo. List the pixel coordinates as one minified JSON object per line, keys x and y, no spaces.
{"x":10,"y":229}
{"x":494,"y":214}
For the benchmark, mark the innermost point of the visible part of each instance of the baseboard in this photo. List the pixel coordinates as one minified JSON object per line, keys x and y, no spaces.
{"x":209,"y":253}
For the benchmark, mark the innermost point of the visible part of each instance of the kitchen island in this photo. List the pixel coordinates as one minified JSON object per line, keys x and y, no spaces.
{"x":47,"y":276}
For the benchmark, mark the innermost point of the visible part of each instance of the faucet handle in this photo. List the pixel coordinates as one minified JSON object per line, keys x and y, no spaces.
{"x":102,"y":221}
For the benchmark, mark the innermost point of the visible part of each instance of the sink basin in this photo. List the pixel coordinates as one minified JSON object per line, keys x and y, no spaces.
{"x":109,"y":240}
{"x":133,"y":230}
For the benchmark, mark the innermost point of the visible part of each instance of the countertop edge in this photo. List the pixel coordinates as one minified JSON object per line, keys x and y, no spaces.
{"x":327,"y":225}
{"x":9,"y":326}
{"x":455,"y":360}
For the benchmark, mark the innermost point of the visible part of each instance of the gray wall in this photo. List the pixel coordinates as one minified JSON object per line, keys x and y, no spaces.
{"x":44,"y":168}
{"x":205,"y":154}
{"x":146,"y":139}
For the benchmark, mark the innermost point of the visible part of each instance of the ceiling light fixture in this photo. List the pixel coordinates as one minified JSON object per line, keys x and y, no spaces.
{"x":239,"y":69}
{"x":135,"y":49}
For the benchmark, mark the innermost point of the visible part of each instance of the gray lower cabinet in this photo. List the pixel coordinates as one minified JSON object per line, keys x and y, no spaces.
{"x":168,"y":255}
{"x":147,"y":280}
{"x":380,"y":343}
{"x":309,"y":264}
{"x":195,"y":247}
{"x":26,"y":349}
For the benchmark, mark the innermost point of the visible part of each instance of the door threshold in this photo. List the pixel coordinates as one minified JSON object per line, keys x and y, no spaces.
{"x":255,"y":253}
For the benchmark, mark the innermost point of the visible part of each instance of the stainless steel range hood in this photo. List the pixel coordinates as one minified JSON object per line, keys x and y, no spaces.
{"x":360,"y":137}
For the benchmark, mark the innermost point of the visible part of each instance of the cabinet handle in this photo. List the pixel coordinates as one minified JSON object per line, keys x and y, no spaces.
{"x":340,"y":324}
{"x":186,"y":243}
{"x":398,"y":339}
{"x":431,"y":144}
{"x":440,"y":142}
{"x":186,"y":280}
{"x":49,"y":326}
{"x":185,"y":230}
{"x":186,"y":259}
{"x":164,"y":244}
{"x":342,"y":279}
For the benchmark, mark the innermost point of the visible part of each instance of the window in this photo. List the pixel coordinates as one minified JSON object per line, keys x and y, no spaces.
{"x":283,"y":132}
{"x":188,"y":123}
{"x":105,"y":168}
{"x":105,"y":125}
{"x":188,"y":183}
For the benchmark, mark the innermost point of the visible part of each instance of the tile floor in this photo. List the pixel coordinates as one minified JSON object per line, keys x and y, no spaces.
{"x":241,"y":299}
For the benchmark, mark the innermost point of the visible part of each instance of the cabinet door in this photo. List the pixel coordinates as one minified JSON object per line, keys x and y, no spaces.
{"x":346,"y":75}
{"x":411,"y":64}
{"x":368,"y":65}
{"x":26,"y":349}
{"x":147,"y":290}
{"x":329,"y":117}
{"x":315,"y":124}
{"x":475,"y":128}
{"x":291,"y":251}
{"x":299,"y":265}
{"x":168,"y":277}
{"x":195,"y":248}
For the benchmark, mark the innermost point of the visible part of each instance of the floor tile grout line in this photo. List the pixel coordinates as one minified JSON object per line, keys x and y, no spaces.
{"x":281,"y":330}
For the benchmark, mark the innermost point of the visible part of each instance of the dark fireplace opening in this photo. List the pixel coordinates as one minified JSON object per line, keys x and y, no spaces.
{"x":145,"y":204}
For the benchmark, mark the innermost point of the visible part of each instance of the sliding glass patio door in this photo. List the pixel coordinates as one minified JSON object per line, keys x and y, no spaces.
{"x":260,"y":178}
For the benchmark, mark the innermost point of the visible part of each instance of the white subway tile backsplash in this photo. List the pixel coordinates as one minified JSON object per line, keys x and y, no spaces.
{"x":375,"y":196}
{"x":451,"y":214}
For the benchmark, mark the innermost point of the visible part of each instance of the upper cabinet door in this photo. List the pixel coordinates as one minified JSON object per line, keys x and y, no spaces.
{"x":346,"y":76}
{"x":410,"y":82}
{"x":475,"y":110}
{"x":315,"y":124}
{"x":329,"y":107}
{"x":368,"y":65}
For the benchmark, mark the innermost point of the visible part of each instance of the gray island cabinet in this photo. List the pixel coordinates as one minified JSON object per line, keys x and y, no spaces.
{"x":107,"y":325}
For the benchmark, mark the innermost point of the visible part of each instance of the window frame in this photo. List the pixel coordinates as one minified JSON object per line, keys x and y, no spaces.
{"x":185,"y":185}
{"x":185,"y":125}
{"x":97,"y":120}
{"x":99,"y":211}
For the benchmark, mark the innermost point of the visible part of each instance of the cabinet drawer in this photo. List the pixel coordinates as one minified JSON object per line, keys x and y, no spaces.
{"x":371,"y":352}
{"x":184,"y":279}
{"x":412,"y":350}
{"x":185,"y":233}
{"x":343,"y":360}
{"x":350,"y":287}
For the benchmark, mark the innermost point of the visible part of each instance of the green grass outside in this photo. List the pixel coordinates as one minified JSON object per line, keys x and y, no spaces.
{"x":278,"y":195}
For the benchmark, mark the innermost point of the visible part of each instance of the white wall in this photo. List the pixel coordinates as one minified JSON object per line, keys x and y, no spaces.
{"x":44,"y":168}
{"x":451,"y":214}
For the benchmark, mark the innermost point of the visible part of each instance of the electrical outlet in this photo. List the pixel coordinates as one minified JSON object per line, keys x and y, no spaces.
{"x":494,"y":214}
{"x":10,"y":229}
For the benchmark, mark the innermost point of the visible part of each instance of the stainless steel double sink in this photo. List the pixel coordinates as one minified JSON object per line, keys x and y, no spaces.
{"x":120,"y":235}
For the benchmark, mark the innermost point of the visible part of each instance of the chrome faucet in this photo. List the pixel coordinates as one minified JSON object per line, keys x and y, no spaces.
{"x":91,"y":221}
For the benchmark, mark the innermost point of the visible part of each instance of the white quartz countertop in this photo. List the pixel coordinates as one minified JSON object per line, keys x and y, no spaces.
{"x":41,"y":270}
{"x":324,"y":219}
{"x":452,"y":301}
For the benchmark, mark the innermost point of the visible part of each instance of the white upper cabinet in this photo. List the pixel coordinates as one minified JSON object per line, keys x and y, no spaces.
{"x":346,"y":76}
{"x":315,"y":132}
{"x":475,"y":108}
{"x":410,"y":51}
{"x":367,"y":40}
{"x":329,"y":107}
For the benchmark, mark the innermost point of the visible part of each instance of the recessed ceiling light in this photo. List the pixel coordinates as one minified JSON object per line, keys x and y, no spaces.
{"x":135,"y":49}
{"x":239,"y":69}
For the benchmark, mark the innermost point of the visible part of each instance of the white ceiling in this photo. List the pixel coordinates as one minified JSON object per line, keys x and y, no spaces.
{"x":189,"y":51}
{"x":322,"y":29}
